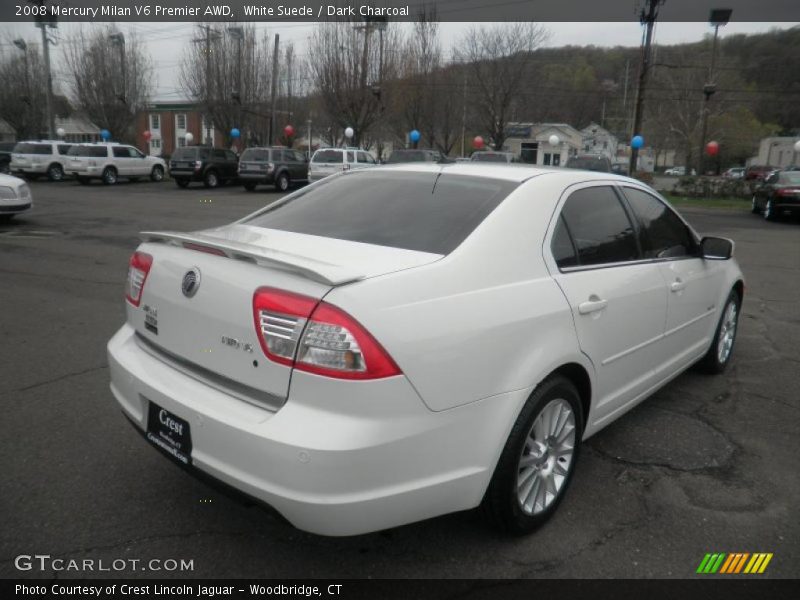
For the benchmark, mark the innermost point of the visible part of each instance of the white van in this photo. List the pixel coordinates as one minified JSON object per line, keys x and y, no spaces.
{"x":327,"y":161}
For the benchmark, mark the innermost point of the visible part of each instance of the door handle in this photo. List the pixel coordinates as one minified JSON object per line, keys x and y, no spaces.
{"x":677,"y":285}
{"x":592,"y":305}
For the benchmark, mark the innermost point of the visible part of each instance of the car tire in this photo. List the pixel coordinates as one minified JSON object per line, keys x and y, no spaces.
{"x":719,"y":353}
{"x":83,"y":180}
{"x":55,"y":172}
{"x":769,"y":211}
{"x":157,"y":174}
{"x":109,"y":176}
{"x":250,"y":186}
{"x":211,"y":179}
{"x":182,"y":183}
{"x":754,"y":207}
{"x":282,"y":182}
{"x":538,"y":459}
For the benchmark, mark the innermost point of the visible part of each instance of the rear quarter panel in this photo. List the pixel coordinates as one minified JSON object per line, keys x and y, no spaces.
{"x":485,"y":320}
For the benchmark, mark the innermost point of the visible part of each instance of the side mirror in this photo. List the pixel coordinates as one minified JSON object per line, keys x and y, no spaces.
{"x":716,"y":248}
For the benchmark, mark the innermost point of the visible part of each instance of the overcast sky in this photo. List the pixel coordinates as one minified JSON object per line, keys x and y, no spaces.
{"x":166,"y":41}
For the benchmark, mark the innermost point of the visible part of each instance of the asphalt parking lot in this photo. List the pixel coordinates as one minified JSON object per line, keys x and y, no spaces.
{"x":709,"y":464}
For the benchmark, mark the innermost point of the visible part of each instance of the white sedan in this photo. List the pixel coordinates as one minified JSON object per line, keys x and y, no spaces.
{"x":397,"y":343}
{"x":15,"y":197}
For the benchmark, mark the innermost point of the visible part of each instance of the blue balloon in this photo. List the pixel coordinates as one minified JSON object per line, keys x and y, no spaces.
{"x":105,"y":134}
{"x":235,"y":133}
{"x":414,"y":135}
{"x":637,"y":142}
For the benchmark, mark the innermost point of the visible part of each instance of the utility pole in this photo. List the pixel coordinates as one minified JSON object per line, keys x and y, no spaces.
{"x":23,"y":46}
{"x":464,"y":114}
{"x":118,"y":40}
{"x":718,"y":18}
{"x":210,"y":36}
{"x":648,"y":18}
{"x":51,"y":121}
{"x":273,"y":91}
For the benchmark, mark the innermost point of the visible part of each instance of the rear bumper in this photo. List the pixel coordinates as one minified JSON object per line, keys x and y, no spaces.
{"x":340,"y":457}
{"x":37,"y":169}
{"x":189,"y":174}
{"x":249,"y":177}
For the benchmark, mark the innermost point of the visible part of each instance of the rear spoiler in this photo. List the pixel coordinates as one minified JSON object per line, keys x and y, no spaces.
{"x":310,"y":268}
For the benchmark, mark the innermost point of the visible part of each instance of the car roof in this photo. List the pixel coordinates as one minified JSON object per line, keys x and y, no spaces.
{"x":508,"y":172}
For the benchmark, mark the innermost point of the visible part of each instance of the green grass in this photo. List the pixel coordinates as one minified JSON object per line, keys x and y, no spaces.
{"x":726,"y":203}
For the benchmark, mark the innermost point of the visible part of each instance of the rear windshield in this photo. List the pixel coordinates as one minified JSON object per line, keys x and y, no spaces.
{"x":190,"y":153}
{"x":27,"y":148}
{"x":589,"y":163}
{"x":427,"y":212}
{"x":489,"y":157}
{"x":96,"y":151}
{"x":256,"y":154}
{"x":790,"y":177}
{"x":401,"y":156}
{"x":327,"y":156}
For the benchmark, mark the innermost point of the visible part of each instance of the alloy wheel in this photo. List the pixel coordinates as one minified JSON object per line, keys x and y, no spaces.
{"x":727,"y":332}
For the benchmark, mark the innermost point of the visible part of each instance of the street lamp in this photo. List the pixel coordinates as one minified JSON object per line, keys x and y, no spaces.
{"x":718,"y":17}
{"x":118,"y":39}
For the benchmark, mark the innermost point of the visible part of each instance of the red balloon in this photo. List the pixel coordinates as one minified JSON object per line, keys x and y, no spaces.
{"x":147,"y":135}
{"x":477,"y":143}
{"x":288,"y":130}
{"x":712,"y":148}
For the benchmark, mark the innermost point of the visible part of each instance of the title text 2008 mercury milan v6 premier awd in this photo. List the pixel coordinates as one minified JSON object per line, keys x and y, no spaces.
{"x":397,"y":343}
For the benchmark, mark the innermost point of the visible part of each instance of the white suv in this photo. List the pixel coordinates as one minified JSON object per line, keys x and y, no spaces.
{"x":327,"y":161}
{"x":45,"y":157}
{"x":108,"y":162}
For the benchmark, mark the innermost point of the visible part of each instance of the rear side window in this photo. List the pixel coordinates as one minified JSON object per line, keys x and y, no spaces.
{"x":184,"y":154}
{"x":327,"y":156}
{"x":94,"y":151}
{"x":563,"y":249}
{"x":220,"y":155}
{"x":27,"y":148}
{"x":63,"y":148}
{"x":426,"y":212}
{"x":599,"y":226}
{"x":664,"y":235}
{"x":256,"y":155}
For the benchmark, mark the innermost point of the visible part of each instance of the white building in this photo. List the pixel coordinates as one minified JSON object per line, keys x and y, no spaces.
{"x":776,"y":152}
{"x":531,"y":142}
{"x":598,"y":140}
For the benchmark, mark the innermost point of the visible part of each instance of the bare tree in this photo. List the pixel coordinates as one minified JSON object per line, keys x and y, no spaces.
{"x":22,"y":104}
{"x":110,"y":81}
{"x":230,"y":76}
{"x":346,"y":65}
{"x":498,"y":58}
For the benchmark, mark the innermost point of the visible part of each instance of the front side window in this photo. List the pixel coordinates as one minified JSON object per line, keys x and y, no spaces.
{"x":599,"y":226}
{"x":327,"y":156}
{"x":121,"y":152}
{"x":663,"y":234}
{"x":63,"y":148}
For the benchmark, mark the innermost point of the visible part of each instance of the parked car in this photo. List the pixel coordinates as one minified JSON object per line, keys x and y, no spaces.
{"x":590,"y":162}
{"x":45,"y":157}
{"x":276,"y":166}
{"x":679,"y":171}
{"x":405,"y":155}
{"x":758,"y":172}
{"x":6,"y":148}
{"x":212,"y":166}
{"x":734,"y":173}
{"x":327,"y":161}
{"x":110,"y":161}
{"x":397,"y":343}
{"x":15,"y":197}
{"x":779,"y":195}
{"x":619,"y":169}
{"x":493,"y":156}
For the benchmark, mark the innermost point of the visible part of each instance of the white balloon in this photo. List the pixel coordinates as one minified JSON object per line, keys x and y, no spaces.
{"x":797,"y":146}
{"x":189,"y":138}
{"x":553,"y":139}
{"x":60,"y":132}
{"x":348,"y":133}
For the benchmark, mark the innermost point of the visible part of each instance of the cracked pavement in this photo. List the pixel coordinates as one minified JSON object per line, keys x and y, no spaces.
{"x":707,"y":464}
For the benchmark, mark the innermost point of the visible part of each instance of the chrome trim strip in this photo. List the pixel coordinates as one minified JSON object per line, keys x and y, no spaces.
{"x":690,"y":322}
{"x":228,"y":386}
{"x":639,"y":346}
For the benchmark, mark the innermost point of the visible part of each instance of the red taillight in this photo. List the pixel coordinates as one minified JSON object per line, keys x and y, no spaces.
{"x":317,"y":337}
{"x":784,"y":192}
{"x":138,"y":268}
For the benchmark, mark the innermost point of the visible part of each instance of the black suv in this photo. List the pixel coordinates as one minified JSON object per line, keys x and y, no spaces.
{"x":212,"y":166}
{"x":276,"y":166}
{"x":6,"y":148}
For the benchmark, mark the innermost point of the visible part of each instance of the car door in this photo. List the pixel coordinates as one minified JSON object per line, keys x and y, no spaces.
{"x":233,"y":164}
{"x":139,"y":165}
{"x":618,"y":300}
{"x":693,"y":283}
{"x":299,"y":168}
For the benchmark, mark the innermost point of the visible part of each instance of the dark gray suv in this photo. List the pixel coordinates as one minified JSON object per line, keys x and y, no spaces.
{"x":276,"y":166}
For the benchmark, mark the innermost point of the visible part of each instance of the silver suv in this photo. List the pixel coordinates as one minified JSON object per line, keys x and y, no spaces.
{"x":44,"y":157}
{"x":327,"y":161}
{"x":110,"y":161}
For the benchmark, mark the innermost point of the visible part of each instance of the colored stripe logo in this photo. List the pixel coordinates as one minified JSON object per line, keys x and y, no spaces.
{"x":734,"y":563}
